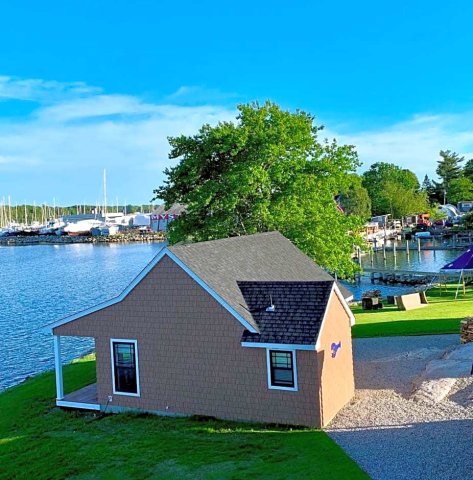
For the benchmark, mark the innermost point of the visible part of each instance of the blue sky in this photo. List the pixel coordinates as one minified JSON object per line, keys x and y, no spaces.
{"x":91,"y":85}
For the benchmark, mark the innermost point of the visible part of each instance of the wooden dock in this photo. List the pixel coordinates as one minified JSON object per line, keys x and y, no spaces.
{"x":414,"y":277}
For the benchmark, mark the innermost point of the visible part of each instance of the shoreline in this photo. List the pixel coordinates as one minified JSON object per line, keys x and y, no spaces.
{"x":81,"y":358}
{"x":128,"y":237}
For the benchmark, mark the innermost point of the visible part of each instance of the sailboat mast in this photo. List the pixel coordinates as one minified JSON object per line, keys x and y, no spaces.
{"x":105,"y":193}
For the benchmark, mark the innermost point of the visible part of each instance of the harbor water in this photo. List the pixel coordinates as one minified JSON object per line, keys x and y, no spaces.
{"x":43,"y":283}
{"x":418,"y":261}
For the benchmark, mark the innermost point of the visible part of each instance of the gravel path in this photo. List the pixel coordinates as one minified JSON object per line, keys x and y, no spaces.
{"x":393,"y":428}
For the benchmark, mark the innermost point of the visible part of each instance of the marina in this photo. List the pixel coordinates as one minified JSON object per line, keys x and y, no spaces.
{"x":395,"y":271}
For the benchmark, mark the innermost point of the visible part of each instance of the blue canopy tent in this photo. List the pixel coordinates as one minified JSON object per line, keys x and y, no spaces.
{"x":460,"y":264}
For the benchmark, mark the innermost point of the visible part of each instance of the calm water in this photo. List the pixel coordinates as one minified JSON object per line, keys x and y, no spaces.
{"x":43,"y":283}
{"x":423,"y":261}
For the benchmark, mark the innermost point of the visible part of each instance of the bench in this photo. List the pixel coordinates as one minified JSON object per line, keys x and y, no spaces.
{"x":411,"y":301}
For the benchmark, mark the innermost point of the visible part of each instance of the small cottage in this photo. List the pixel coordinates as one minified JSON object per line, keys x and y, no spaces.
{"x":244,"y":328}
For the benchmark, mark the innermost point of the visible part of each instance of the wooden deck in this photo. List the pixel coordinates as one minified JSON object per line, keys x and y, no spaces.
{"x":85,"y":398}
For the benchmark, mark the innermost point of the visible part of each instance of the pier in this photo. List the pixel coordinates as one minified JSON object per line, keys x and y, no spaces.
{"x":456,"y":241}
{"x":413,"y":277}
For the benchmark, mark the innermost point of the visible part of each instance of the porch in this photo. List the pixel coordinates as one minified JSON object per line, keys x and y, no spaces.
{"x":85,"y":398}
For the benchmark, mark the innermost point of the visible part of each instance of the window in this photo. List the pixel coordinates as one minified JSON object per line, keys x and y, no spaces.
{"x":281,"y":365}
{"x":125,"y":367}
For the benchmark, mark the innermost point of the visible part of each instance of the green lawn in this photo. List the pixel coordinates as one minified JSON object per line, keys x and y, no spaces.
{"x":442,"y":315}
{"x":39,"y":441}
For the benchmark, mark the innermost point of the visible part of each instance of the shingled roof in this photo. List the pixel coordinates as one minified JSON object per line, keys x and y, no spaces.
{"x":298,"y":309}
{"x":263,"y":257}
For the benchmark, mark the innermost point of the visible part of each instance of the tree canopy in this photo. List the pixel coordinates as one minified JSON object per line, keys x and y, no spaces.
{"x":394,"y":190}
{"x":266,"y":171}
{"x":460,"y":189}
{"x":355,"y":199}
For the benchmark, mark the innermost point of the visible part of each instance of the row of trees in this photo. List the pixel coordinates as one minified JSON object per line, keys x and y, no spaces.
{"x":384,"y":188}
{"x":388,"y":188}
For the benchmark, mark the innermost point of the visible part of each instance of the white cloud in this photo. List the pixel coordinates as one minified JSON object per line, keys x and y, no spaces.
{"x":193,"y":94}
{"x":95,"y":106}
{"x":61,"y":148}
{"x":38,"y":90}
{"x":414,"y":143}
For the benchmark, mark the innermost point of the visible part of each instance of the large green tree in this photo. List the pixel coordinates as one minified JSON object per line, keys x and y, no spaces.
{"x":267,"y":170}
{"x":394,"y":190}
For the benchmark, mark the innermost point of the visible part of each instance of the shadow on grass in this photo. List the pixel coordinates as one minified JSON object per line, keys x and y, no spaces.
{"x":40,"y":441}
{"x":157,"y":447}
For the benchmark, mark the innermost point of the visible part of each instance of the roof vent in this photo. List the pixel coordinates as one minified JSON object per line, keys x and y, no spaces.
{"x":271,"y":307}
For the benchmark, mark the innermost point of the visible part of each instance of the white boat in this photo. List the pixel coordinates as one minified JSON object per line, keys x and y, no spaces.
{"x":52,"y":227}
{"x":81,"y":227}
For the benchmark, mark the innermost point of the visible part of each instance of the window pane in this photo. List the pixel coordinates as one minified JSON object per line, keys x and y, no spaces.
{"x":125,"y":367}
{"x":282,"y":372}
{"x":125,"y":354}
{"x":282,"y":359}
{"x":283,"y":376}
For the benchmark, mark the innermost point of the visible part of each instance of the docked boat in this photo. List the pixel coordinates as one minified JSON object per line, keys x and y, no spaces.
{"x":82,"y":227}
{"x":104,"y":231}
{"x":52,"y":227}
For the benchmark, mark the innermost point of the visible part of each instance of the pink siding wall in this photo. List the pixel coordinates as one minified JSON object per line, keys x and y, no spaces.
{"x":190,"y":356}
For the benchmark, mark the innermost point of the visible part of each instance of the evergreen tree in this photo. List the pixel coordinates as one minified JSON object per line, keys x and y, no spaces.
{"x":448,"y":169}
{"x":468,"y":169}
{"x":426,"y":184}
{"x":428,"y":188}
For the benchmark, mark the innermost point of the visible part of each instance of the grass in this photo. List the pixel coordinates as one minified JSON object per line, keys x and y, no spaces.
{"x":442,"y":315}
{"x":40,"y":441}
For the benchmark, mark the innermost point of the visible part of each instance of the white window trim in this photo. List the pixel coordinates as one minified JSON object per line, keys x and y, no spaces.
{"x":135,"y":342}
{"x":295,"y":388}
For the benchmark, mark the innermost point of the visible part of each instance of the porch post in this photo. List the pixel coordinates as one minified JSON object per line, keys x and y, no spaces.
{"x":58,"y":368}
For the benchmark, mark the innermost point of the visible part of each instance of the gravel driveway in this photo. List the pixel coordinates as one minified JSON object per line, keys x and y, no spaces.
{"x":408,"y":419}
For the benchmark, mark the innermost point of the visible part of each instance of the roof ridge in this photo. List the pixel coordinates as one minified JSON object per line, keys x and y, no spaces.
{"x":235,"y":238}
